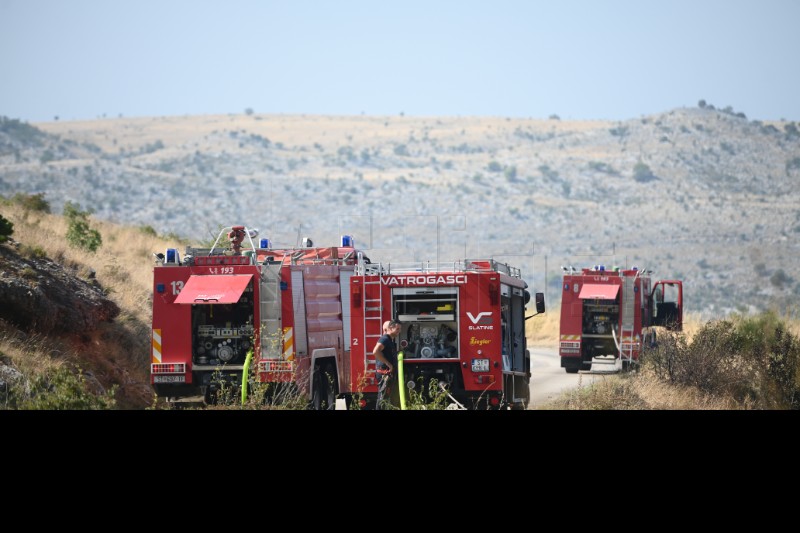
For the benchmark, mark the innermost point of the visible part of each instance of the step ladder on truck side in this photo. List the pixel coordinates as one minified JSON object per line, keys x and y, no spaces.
{"x":270,"y":311}
{"x":627,"y":339}
{"x":373,"y":312}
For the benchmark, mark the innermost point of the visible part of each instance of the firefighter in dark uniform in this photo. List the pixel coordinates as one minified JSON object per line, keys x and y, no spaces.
{"x":385,"y":353}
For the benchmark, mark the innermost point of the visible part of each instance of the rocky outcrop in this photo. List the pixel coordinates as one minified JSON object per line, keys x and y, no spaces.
{"x":38,"y":294}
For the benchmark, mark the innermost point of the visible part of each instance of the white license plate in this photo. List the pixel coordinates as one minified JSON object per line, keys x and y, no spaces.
{"x":480,"y":365}
{"x":169,"y":379}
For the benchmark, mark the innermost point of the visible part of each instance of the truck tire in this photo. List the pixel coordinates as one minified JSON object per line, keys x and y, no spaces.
{"x":571,"y":364}
{"x":324,"y":388}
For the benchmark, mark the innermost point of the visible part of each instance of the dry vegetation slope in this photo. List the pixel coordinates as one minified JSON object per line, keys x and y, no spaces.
{"x":115,"y":353}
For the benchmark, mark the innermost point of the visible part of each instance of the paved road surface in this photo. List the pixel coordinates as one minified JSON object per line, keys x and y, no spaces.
{"x":548,"y":379}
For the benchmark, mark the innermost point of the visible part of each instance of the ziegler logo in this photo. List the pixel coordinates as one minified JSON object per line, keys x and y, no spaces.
{"x":482,"y":320}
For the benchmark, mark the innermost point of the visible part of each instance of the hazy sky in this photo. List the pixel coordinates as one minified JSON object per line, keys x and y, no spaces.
{"x":592,"y":59}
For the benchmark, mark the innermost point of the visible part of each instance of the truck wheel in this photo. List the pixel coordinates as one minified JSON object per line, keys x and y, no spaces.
{"x":629,"y":366}
{"x":518,"y":406}
{"x":571,"y":364}
{"x":324,"y":388}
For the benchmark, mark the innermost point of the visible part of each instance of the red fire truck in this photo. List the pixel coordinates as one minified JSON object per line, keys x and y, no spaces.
{"x":613,"y":314}
{"x":310,"y":317}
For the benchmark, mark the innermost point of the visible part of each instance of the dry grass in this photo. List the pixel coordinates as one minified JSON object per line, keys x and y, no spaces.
{"x":30,"y":353}
{"x":641,"y":391}
{"x":135,"y":133}
{"x":543,"y":330}
{"x":116,"y":353}
{"x":744,"y":363}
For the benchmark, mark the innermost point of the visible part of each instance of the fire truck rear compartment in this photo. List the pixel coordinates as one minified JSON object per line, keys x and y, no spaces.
{"x":599,"y":318}
{"x":222,"y":334}
{"x":429,"y":315}
{"x":430,"y":343}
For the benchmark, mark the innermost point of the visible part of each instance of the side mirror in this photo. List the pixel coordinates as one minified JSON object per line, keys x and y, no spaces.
{"x":539,"y":302}
{"x":539,"y":305}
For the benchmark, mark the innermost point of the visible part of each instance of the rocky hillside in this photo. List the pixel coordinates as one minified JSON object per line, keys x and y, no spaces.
{"x":701,"y":194}
{"x":72,"y":322}
{"x":44,"y":296}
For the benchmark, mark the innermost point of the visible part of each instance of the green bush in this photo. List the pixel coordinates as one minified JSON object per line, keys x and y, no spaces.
{"x":148,"y":230}
{"x":6,"y":228}
{"x":427,"y":397}
{"x":79,"y":233}
{"x":33,"y":252}
{"x":510,"y":173}
{"x":754,"y":361}
{"x":642,"y":173}
{"x":776,"y":354}
{"x":792,"y":164}
{"x":599,"y":166}
{"x":401,"y":150}
{"x":32,"y":202}
{"x":58,"y":389}
{"x":620,"y":131}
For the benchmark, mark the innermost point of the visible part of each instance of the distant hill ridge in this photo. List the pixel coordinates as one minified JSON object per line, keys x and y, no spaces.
{"x":700,"y":194}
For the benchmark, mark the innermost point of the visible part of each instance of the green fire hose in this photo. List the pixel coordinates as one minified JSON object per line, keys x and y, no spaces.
{"x":246,"y":374}
{"x":401,"y":382}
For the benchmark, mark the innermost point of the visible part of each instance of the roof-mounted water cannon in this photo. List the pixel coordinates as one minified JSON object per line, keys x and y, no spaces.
{"x":237,"y":234}
{"x":235,"y":237}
